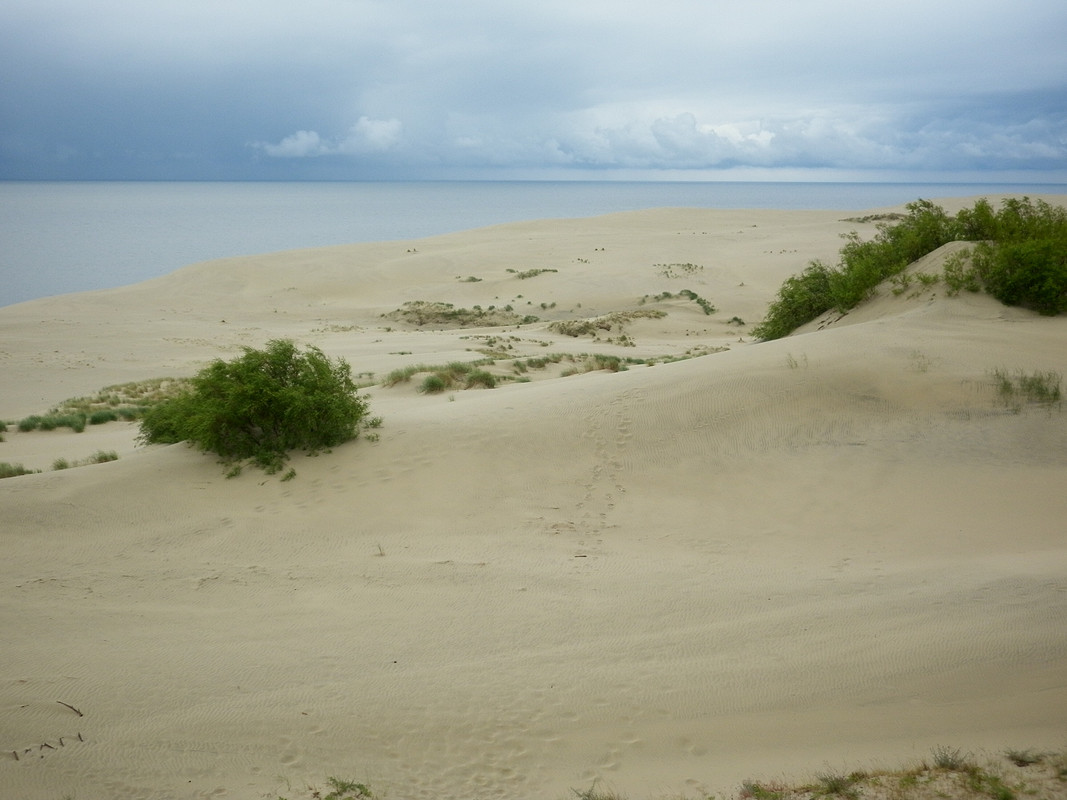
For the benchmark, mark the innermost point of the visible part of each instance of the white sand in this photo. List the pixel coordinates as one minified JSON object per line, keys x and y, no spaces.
{"x":829,"y":551}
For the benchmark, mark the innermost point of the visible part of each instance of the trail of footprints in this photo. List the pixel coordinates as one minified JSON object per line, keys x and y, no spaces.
{"x":610,"y":430}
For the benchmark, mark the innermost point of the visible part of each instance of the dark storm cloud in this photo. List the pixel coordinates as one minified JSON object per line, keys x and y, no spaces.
{"x":410,"y":88}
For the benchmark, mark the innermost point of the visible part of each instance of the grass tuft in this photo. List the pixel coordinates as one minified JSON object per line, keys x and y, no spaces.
{"x":8,"y":470}
{"x":1014,"y":390}
{"x":950,"y":758}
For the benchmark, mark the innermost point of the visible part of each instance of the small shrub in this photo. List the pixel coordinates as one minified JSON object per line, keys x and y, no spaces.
{"x":102,"y":416}
{"x":103,"y":456}
{"x":60,"y":463}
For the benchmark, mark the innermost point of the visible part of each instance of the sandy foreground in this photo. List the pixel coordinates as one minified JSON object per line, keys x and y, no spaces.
{"x":832,"y":551}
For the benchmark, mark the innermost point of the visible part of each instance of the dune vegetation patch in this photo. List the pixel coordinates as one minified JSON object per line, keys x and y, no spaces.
{"x":678,"y":270}
{"x":1017,"y":389}
{"x":1019,"y":256}
{"x":422,"y":313}
{"x":9,"y":470}
{"x":122,"y":402}
{"x":525,"y":274}
{"x":948,"y":774}
{"x":460,"y":375}
{"x":592,"y":326}
{"x":99,"y":457}
{"x":705,"y":305}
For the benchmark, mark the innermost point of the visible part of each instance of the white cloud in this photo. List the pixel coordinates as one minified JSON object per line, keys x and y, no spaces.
{"x":298,"y":145}
{"x":366,"y":136}
{"x":372,"y":135}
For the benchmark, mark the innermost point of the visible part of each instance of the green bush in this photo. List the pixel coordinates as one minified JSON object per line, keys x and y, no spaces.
{"x":262,"y":405}
{"x":1032,"y":274}
{"x":1020,"y":258}
{"x":801,"y":299}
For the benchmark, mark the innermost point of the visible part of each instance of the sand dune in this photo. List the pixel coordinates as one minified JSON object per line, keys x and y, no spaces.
{"x":834,"y":549}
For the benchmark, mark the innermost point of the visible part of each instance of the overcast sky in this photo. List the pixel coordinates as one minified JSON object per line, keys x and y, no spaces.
{"x":425,"y":89}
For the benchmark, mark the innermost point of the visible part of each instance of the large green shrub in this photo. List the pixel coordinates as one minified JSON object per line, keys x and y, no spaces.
{"x":801,"y":299}
{"x":263,"y":405}
{"x":1020,"y":258}
{"x":1025,"y":263}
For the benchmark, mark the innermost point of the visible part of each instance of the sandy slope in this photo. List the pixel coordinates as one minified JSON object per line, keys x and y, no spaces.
{"x":833,"y":550}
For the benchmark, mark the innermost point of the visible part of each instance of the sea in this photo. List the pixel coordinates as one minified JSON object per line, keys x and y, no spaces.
{"x":57,"y":238}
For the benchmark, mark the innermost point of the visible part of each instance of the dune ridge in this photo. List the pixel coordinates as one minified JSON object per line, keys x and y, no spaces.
{"x":831,"y":549}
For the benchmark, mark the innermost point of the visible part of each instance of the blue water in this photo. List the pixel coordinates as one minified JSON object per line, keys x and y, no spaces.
{"x":70,"y":237}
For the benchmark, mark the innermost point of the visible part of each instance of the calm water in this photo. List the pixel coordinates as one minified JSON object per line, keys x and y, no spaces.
{"x":71,"y":237}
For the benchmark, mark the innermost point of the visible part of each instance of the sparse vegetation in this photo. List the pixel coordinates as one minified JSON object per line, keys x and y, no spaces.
{"x":953,"y":776}
{"x":836,"y":783}
{"x":530,"y":273}
{"x":950,"y":758}
{"x":1024,"y":758}
{"x":99,"y":457}
{"x":1016,"y":389}
{"x":678,"y":270}
{"x":593,"y":325}
{"x":422,"y":313}
{"x":1020,"y":257}
{"x":707,"y":307}
{"x":263,"y":405}
{"x":339,"y":789}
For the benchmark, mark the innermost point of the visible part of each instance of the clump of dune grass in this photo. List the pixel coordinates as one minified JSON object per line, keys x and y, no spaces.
{"x":51,"y":421}
{"x":757,"y":790}
{"x":99,"y":457}
{"x":836,"y":783}
{"x":463,"y":374}
{"x":950,"y":758}
{"x":1017,"y":389}
{"x":8,"y":470}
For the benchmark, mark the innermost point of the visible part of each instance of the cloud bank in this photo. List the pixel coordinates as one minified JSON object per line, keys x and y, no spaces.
{"x":362,"y":89}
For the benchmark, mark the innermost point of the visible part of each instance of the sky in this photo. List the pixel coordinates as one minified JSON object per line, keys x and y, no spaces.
{"x":557,"y":89}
